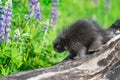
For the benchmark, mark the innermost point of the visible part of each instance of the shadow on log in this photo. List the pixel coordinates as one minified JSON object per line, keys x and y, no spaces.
{"x":102,"y":65}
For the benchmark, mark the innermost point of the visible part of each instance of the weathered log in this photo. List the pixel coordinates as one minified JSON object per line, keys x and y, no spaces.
{"x":102,"y":65}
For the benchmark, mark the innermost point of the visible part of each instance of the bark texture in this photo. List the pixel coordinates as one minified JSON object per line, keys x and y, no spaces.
{"x":102,"y":65}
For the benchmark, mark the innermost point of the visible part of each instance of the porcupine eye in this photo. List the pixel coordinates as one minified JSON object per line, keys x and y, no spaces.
{"x":58,"y":46}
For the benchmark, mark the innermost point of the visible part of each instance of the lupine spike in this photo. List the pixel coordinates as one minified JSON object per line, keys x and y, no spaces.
{"x":54,"y":12}
{"x":1,"y":27}
{"x":35,"y":10}
{"x":6,"y":20}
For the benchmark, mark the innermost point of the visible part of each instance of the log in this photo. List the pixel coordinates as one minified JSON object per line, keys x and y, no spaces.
{"x":102,"y":65}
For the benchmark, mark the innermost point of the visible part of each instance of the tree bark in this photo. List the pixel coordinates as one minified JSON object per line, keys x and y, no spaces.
{"x":102,"y":65}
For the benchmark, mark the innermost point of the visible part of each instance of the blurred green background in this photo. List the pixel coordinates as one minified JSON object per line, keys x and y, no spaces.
{"x":36,"y":49}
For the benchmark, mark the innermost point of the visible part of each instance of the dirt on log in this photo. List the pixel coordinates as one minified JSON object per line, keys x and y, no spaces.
{"x":102,"y":65}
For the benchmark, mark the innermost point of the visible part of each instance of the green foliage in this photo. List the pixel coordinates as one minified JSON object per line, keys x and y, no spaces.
{"x":35,"y":49}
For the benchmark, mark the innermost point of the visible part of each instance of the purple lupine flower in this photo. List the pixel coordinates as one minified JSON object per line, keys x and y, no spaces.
{"x":6,"y":20}
{"x":37,"y":12}
{"x":107,"y":6}
{"x":35,"y":9}
{"x":54,"y":12}
{"x":1,"y":27}
{"x":32,"y":4}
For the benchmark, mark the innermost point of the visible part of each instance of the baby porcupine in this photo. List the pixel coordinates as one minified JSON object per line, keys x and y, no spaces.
{"x":80,"y":38}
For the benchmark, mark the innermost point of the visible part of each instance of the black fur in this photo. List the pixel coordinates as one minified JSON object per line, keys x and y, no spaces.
{"x":80,"y":38}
